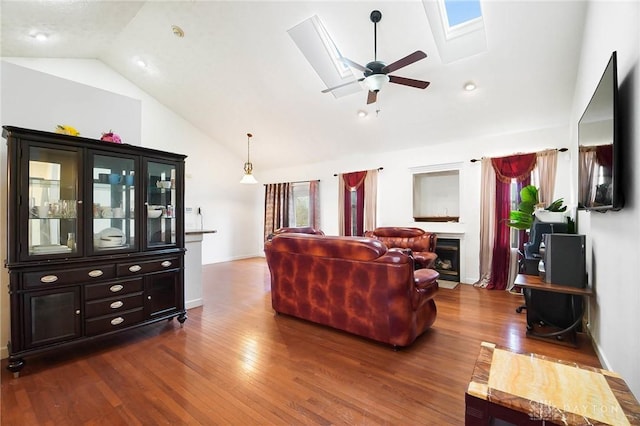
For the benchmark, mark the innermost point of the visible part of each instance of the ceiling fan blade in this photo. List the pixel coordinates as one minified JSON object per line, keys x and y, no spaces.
{"x":342,"y":85}
{"x":409,"y":82}
{"x":354,"y":64}
{"x":372,"y":97}
{"x":407,"y":60}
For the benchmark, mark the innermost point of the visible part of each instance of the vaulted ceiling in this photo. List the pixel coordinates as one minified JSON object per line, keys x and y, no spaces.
{"x":237,"y":70}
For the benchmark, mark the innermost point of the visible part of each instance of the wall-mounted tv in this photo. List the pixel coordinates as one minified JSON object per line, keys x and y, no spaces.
{"x":599,"y":146}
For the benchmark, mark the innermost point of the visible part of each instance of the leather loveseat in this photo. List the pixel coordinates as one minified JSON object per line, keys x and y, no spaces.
{"x":353,"y":284}
{"x":421,"y":243}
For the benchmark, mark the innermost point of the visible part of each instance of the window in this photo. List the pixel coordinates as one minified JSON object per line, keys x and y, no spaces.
{"x":300,"y":205}
{"x":514,"y":200}
{"x":461,"y":11}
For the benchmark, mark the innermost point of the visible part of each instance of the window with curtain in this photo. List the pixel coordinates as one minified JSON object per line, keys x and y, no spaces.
{"x":502,"y":180}
{"x":291,"y":204}
{"x":357,"y":202}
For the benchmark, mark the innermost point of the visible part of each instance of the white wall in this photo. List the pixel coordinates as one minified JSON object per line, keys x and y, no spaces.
{"x":212,"y":172}
{"x":395,"y":182}
{"x":614,"y":237}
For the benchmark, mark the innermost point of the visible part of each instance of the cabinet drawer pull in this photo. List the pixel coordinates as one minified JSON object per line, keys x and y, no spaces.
{"x":135,"y":268}
{"x":49,"y":279}
{"x":117,"y":304}
{"x":116,"y":288}
{"x":116,"y":321}
{"x":166,"y":264}
{"x":95,"y":273}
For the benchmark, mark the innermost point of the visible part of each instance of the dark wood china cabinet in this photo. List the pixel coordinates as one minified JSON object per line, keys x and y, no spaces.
{"x":95,"y":239}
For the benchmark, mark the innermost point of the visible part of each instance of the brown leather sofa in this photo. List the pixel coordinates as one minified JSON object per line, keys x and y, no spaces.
{"x":421,"y":243}
{"x":353,"y":284}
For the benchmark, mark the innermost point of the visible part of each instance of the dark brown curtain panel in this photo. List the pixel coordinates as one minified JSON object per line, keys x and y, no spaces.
{"x":276,"y":207}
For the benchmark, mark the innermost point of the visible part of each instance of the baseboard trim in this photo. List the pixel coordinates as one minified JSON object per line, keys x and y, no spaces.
{"x":193,"y":303}
{"x":598,"y":351}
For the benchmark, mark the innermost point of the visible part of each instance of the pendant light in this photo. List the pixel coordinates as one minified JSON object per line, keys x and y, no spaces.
{"x":248,"y":167}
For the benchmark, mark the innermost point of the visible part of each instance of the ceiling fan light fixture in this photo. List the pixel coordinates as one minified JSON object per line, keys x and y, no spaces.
{"x":248,"y":177}
{"x":375,"y":82}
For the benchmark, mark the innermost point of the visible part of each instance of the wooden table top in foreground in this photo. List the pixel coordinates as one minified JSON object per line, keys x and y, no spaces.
{"x":553,"y":390}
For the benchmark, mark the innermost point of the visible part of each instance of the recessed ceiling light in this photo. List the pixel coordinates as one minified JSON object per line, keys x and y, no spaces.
{"x":141,"y":63}
{"x":362,"y":113}
{"x":469,"y":86}
{"x":40,"y":36}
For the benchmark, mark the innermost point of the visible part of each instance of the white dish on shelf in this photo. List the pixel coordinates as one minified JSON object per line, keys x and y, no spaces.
{"x":110,"y":237}
{"x":49,"y":249}
{"x":154,"y":212}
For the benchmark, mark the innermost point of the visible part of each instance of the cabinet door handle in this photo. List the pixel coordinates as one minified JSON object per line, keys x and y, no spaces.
{"x":135,"y":268}
{"x":117,"y":304}
{"x":116,"y":321}
{"x":49,"y":279}
{"x":116,"y":288}
{"x":166,"y":264}
{"x":95,"y":273}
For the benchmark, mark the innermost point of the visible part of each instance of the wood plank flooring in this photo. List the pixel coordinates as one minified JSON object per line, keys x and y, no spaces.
{"x":235,"y":362}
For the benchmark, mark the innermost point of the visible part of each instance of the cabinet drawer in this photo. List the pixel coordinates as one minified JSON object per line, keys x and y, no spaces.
{"x":139,"y":268}
{"x":113,"y":305}
{"x":69,"y":276}
{"x":112,"y":289}
{"x":113,"y":322}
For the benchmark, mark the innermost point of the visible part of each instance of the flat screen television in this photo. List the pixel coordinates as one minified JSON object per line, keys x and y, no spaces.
{"x":599,"y":146}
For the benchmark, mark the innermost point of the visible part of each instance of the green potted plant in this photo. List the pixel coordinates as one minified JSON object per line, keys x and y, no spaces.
{"x":522,"y":218}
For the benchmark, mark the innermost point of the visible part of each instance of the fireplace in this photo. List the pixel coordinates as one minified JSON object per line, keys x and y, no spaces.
{"x":448,"y":262}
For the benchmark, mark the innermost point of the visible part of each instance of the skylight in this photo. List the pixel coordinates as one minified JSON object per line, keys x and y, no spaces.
{"x":462,"y":11}
{"x":457,"y":26}
{"x":316,"y":45}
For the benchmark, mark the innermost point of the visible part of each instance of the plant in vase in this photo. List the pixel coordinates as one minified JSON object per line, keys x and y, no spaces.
{"x":529,"y":207}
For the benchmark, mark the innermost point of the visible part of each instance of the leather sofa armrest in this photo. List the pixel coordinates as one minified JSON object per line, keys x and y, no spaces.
{"x":426,"y":286}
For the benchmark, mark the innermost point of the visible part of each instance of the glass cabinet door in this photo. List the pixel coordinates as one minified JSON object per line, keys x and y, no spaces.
{"x":160,"y":203}
{"x":54,"y":207}
{"x":113,"y":198}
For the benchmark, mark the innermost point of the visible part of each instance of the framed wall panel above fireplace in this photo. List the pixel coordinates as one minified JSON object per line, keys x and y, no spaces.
{"x":436,"y":193}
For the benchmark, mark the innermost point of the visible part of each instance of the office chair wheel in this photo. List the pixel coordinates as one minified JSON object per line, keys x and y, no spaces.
{"x":520,"y":308}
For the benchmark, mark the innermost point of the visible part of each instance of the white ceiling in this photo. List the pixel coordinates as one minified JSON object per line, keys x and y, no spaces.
{"x":238,"y":71}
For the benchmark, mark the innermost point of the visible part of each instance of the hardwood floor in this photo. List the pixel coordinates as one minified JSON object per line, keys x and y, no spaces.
{"x":235,"y":362}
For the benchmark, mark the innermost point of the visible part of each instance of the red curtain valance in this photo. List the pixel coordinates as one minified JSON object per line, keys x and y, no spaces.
{"x":516,"y":167}
{"x":354,"y":180}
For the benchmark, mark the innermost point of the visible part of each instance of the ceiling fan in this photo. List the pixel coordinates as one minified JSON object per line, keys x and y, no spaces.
{"x":376,"y":73}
